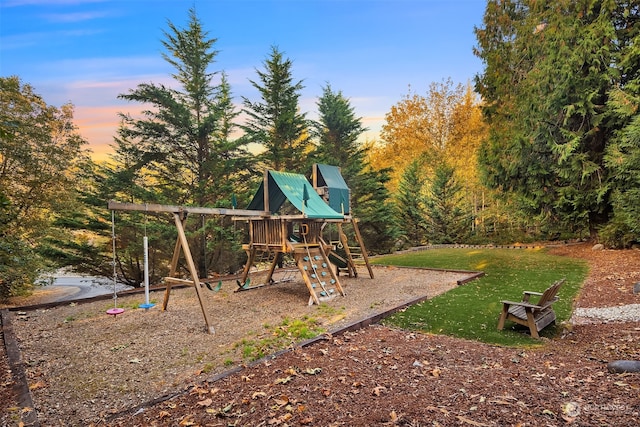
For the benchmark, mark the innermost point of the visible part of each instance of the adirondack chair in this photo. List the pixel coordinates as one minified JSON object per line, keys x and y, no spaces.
{"x":535,"y":316}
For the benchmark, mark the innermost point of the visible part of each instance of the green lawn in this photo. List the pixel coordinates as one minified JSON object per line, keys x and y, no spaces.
{"x":471,"y":311}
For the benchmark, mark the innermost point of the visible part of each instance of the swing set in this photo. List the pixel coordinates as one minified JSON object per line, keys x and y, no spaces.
{"x":270,"y":233}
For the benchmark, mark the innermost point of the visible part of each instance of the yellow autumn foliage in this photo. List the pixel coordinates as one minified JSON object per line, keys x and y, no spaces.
{"x":445,"y":125}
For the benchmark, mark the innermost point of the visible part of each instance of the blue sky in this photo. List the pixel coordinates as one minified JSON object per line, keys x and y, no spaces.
{"x":87,"y":52}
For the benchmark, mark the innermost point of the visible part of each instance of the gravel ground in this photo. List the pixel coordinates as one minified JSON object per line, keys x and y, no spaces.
{"x":83,"y":365}
{"x":624,"y":313}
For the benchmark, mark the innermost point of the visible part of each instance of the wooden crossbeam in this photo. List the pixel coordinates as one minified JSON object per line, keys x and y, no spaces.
{"x":152,"y":207}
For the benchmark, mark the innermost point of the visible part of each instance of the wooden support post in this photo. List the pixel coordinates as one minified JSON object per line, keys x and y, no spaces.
{"x":251,"y":256}
{"x":172,"y":272}
{"x":192,"y":269}
{"x":266,"y":191}
{"x":273,"y":266}
{"x":365,"y":256}
{"x":351,"y":266}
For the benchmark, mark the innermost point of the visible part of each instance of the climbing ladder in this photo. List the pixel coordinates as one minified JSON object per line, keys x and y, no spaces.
{"x":317,"y":273}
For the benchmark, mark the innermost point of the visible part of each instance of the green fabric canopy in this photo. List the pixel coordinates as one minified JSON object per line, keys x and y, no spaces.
{"x":295,"y":188}
{"x":339,"y":194}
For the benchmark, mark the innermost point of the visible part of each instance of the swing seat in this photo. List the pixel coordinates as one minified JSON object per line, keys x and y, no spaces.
{"x":115,"y":311}
{"x":216,"y":289}
{"x":146,"y":306}
{"x":245,"y":285}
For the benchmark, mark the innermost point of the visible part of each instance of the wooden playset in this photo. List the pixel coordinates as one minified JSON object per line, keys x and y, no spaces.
{"x":287,"y":216}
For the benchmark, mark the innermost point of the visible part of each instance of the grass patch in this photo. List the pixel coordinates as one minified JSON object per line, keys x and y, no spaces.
{"x":277,"y":337}
{"x":471,"y":311}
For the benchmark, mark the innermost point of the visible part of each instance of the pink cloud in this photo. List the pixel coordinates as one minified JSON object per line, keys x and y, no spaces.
{"x":99,"y":125}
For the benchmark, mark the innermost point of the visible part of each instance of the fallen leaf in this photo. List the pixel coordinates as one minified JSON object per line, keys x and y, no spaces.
{"x":283,"y":380}
{"x":188,"y":421}
{"x":377,"y":390}
{"x":282,"y":401}
{"x":164,"y":414}
{"x":471,"y":422}
{"x":313,"y":371}
{"x":291,"y":371}
{"x":206,"y":402}
{"x":258,"y":394}
{"x":198,"y":390}
{"x":37,"y":386}
{"x":393,"y":416}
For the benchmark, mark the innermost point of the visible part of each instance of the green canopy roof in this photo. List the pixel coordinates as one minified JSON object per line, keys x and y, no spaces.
{"x":339,"y":194}
{"x":295,"y":188}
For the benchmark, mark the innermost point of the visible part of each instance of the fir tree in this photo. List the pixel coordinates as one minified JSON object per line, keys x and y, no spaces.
{"x":275,"y":122}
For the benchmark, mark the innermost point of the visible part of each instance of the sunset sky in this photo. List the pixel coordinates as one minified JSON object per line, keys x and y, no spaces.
{"x":87,"y":52}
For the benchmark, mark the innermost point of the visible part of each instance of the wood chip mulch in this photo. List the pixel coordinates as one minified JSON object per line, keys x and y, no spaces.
{"x":380,"y":376}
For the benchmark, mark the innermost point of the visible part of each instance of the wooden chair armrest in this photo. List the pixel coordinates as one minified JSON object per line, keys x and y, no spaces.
{"x":521,"y":304}
{"x":526,"y":295}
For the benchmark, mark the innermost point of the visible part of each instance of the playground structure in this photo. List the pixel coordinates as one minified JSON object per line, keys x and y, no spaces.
{"x":286,"y":216}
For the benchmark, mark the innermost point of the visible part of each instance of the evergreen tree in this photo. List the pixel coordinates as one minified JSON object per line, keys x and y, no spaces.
{"x":550,"y":68}
{"x":446,"y":212}
{"x":182,"y":151}
{"x":184,"y":142}
{"x":411,"y":203}
{"x":623,"y":159}
{"x":373,"y":205}
{"x":337,"y":132}
{"x":275,"y":122}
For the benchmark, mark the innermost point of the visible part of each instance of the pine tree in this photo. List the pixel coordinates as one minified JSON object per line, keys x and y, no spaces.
{"x":447,"y":216}
{"x":275,"y":122}
{"x":337,"y":132}
{"x":182,"y":151}
{"x":410,"y":203}
{"x":184,"y":141}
